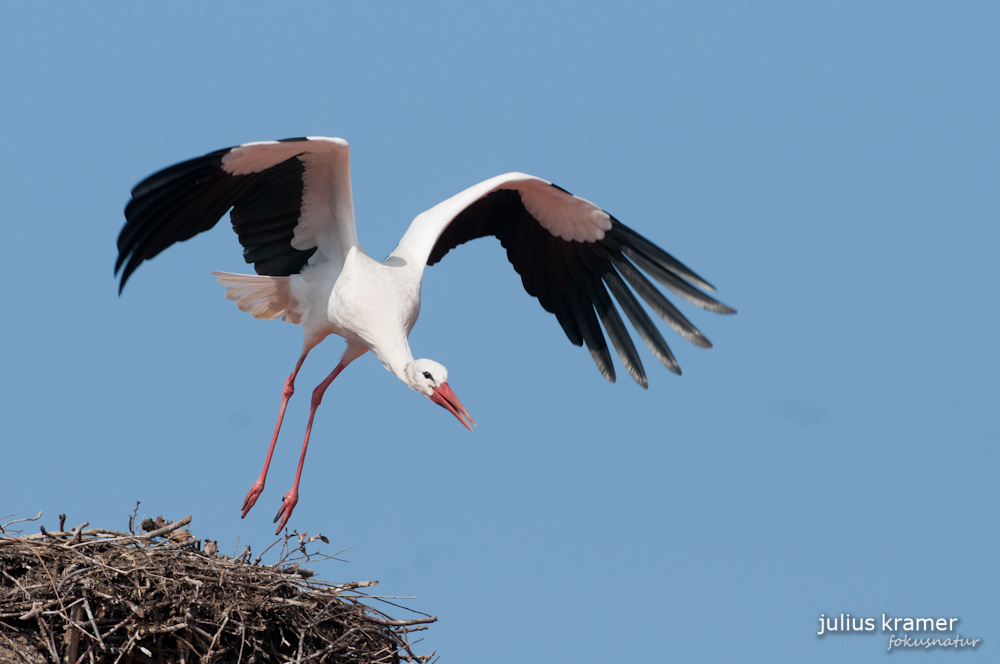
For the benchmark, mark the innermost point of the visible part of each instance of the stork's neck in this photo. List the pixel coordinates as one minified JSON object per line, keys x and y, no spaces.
{"x":379,"y":303}
{"x":395,"y":355}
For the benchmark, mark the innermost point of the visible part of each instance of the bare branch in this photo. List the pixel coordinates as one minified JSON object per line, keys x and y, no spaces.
{"x":3,"y":528}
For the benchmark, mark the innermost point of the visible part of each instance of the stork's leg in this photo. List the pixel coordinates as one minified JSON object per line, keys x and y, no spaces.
{"x":286,"y":394}
{"x":292,"y":497}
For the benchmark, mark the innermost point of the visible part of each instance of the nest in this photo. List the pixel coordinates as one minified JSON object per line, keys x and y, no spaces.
{"x":164,"y":597}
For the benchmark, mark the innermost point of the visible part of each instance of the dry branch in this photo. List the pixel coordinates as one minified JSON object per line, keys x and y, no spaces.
{"x":101,"y":596}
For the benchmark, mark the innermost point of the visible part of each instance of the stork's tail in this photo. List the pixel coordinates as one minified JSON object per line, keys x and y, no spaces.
{"x":262,"y":297}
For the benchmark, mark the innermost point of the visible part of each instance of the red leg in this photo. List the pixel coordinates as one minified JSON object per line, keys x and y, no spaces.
{"x":286,"y":394}
{"x":292,"y":497}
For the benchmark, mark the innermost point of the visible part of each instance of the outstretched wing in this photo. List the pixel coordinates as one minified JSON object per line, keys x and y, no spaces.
{"x":570,"y":254}
{"x":291,"y":205}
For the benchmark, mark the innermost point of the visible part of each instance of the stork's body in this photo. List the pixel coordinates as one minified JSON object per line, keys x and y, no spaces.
{"x":373,"y":306}
{"x":370,"y":304}
{"x":292,"y":208}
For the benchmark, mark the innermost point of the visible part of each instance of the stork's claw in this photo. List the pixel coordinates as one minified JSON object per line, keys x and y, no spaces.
{"x":287,"y":505}
{"x":252,"y":495}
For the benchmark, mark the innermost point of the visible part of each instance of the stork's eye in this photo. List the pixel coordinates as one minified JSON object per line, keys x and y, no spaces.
{"x":428,"y":376}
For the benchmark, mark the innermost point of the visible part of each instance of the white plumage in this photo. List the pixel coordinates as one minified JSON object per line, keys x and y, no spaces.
{"x":292,"y":210}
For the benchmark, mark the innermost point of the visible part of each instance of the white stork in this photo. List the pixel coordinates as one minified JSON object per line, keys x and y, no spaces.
{"x":292,"y":210}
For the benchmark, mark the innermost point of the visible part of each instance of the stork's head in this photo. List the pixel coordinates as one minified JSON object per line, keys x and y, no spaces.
{"x":431,"y":379}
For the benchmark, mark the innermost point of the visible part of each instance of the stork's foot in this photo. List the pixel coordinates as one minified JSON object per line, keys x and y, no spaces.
{"x":252,"y":495}
{"x":287,"y":505}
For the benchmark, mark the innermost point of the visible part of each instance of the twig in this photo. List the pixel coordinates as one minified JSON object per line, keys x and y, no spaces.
{"x":88,"y":651}
{"x":187,"y":644}
{"x":47,"y":637}
{"x":404,"y":623}
{"x":243,"y":639}
{"x":197,"y":630}
{"x":3,"y":528}
{"x":27,"y":595}
{"x":398,"y":606}
{"x":131,"y":519}
{"x":332,"y":646}
{"x":74,"y":633}
{"x":168,"y":629}
{"x":215,"y":639}
{"x":90,"y":616}
{"x":76,"y":532}
{"x":128,"y":645}
{"x":63,"y":534}
{"x":256,"y":561}
{"x":67,"y":577}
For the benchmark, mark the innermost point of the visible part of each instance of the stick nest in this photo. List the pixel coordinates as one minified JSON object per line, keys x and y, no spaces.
{"x":164,"y":597}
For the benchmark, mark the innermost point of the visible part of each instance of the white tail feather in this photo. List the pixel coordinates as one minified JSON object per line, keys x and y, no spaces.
{"x":262,"y":297}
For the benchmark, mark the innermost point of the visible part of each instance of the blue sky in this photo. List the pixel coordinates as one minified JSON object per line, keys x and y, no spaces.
{"x":832,"y":169}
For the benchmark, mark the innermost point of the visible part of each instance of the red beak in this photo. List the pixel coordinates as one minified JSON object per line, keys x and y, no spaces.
{"x":443,"y":396}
